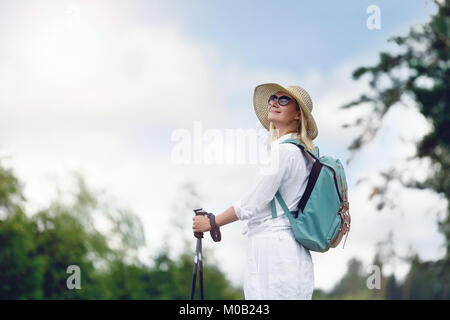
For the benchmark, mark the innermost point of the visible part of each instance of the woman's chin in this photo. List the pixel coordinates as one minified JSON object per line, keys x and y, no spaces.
{"x":273,"y":117}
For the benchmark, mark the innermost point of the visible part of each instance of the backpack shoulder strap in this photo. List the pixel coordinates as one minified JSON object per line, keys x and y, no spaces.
{"x":281,"y":202}
{"x":297,"y":142}
{"x":314,"y":174}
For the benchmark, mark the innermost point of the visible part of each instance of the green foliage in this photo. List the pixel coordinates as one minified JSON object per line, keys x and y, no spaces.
{"x":35,"y":251}
{"x":427,"y":280}
{"x":352,"y":286}
{"x":393,"y":289}
{"x":173,"y":279}
{"x":419,"y":70}
{"x":10,"y":192}
{"x":21,"y":269}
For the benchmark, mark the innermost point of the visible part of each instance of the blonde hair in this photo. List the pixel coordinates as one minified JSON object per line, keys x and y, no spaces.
{"x":302,"y":133}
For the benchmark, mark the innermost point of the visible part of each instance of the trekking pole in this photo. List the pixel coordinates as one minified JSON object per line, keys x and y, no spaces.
{"x":198,"y":260}
{"x":198,"y":263}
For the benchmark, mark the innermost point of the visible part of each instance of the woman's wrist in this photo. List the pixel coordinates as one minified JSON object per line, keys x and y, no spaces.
{"x":212,"y":221}
{"x":226,"y":217}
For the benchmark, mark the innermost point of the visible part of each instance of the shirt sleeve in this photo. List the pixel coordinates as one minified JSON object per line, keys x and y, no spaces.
{"x":266,"y":183}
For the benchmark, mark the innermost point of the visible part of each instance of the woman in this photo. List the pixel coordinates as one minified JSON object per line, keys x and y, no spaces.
{"x":278,"y":267}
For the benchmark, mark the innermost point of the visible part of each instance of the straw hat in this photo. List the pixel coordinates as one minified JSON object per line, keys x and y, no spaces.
{"x":263,"y":93}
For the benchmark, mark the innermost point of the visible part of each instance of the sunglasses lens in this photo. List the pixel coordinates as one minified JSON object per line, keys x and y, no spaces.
{"x":284,"y":100}
{"x":272,"y":99}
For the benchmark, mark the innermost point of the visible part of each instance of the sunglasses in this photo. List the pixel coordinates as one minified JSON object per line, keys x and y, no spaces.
{"x":282,"y":101}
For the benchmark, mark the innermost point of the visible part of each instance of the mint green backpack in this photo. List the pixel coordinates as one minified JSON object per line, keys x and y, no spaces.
{"x":322,"y":217}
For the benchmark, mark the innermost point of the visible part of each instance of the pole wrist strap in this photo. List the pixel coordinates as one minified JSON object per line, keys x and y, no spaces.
{"x":215,"y":230}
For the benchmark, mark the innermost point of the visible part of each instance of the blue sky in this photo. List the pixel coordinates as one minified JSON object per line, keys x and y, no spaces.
{"x":291,"y":35}
{"x":105,"y":97}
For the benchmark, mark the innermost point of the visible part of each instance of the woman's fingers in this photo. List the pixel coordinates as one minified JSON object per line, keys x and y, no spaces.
{"x":195,"y":224}
{"x":200,"y":224}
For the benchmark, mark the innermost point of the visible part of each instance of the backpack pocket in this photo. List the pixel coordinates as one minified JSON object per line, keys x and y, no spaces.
{"x":334,"y":229}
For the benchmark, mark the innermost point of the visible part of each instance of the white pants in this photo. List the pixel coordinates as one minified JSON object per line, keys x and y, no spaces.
{"x":278,"y":267}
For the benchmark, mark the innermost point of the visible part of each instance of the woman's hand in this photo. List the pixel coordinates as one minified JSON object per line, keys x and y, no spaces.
{"x":201,"y":224}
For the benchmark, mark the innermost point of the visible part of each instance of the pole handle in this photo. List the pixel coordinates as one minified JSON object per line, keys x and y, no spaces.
{"x":199,"y":212}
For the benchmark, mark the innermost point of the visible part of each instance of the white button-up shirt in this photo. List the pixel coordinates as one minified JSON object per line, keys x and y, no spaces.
{"x":290,"y":178}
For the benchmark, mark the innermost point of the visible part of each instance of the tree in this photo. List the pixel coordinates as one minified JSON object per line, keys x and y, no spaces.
{"x":36,"y":250}
{"x":425,"y":280}
{"x":353,"y":283}
{"x":419,"y":71}
{"x":20,"y":268}
{"x":393,"y":290}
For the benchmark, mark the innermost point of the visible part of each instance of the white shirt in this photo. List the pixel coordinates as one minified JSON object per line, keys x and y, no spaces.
{"x":290,"y":178}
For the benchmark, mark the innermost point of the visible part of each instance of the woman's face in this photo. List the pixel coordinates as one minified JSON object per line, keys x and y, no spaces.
{"x":280,"y":115}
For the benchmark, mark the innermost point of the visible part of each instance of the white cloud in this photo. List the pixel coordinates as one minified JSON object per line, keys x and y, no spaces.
{"x":106,"y":77}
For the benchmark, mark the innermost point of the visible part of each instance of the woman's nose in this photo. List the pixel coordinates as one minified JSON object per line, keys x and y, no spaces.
{"x":275,"y":104}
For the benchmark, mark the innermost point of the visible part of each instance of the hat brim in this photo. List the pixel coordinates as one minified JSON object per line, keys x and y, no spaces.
{"x":260,"y":103}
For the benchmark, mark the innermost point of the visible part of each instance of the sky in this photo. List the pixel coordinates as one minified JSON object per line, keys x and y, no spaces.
{"x":104,"y":88}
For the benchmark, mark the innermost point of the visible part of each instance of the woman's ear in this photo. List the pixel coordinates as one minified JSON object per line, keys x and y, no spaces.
{"x":298,"y":116}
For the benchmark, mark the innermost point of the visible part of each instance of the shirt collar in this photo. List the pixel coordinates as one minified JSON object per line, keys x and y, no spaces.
{"x":291,"y":135}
